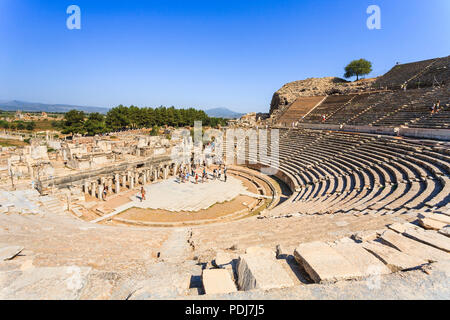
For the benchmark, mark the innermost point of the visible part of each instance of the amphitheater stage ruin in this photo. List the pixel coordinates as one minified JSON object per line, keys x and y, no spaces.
{"x":356,"y":207}
{"x":172,"y":202}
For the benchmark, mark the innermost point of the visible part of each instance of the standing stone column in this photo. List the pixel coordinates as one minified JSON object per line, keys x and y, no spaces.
{"x":156,"y":175}
{"x":144,"y":178}
{"x":124,"y":180}
{"x":136,"y":178}
{"x":117,"y":181}
{"x":129,"y":177}
{"x":166,"y":172}
{"x":131,"y":182}
{"x":93,"y":188}
{"x":86,"y":187}
{"x":100,"y":191}
{"x":110,"y":184}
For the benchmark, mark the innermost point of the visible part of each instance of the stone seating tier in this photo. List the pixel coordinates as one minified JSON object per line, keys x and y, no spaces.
{"x":344,"y":172}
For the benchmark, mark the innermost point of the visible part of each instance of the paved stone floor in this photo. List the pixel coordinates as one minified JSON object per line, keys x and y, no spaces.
{"x":171,"y":195}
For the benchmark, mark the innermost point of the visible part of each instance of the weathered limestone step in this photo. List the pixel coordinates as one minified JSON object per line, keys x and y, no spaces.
{"x":222,"y":259}
{"x":260,"y":251}
{"x":166,"y":281}
{"x":413,"y":248}
{"x":53,"y":283}
{"x":216,"y":281}
{"x":394,"y":259}
{"x":367,"y":263}
{"x":431,"y":224}
{"x":260,"y":272}
{"x":445,"y":231}
{"x":325,"y":264}
{"x":402,"y":227}
{"x":436,"y":216}
{"x":8,"y":253}
{"x":429,"y":237}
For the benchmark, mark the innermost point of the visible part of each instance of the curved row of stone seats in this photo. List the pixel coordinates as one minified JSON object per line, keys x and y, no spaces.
{"x":403,"y":189}
{"x":440,"y":120}
{"x":393,"y":103}
{"x":355,"y":106}
{"x":432,"y":171}
{"x":386,"y":108}
{"x":434,"y":178}
{"x":402,"y":73}
{"x":340,"y":197}
{"x":298,"y":109}
{"x":331,"y":105}
{"x":319,"y":176}
{"x":340,"y":175}
{"x":419,"y":107}
{"x":437,"y":73}
{"x":343,"y":172}
{"x":358,"y":106}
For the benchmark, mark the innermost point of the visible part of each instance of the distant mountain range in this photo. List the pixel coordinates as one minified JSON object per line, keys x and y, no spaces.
{"x":14,"y":105}
{"x":223,"y":113}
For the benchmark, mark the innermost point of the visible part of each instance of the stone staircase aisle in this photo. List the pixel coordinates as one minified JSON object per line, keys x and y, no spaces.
{"x":53,"y":205}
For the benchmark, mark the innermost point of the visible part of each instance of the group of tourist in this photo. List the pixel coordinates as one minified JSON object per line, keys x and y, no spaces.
{"x":436,"y":107}
{"x":184,"y":176}
{"x":200,"y":173}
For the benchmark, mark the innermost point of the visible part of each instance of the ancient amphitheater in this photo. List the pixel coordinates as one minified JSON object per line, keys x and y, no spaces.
{"x":355,"y":207}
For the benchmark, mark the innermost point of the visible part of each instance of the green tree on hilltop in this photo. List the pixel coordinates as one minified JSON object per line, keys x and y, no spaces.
{"x":358,"y":68}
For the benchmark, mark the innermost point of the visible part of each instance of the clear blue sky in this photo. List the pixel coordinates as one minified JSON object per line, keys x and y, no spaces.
{"x":205,"y":54}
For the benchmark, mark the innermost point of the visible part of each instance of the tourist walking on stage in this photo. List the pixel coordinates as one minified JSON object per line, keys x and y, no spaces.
{"x":105,"y":192}
{"x":196,"y":178}
{"x":220,"y":173}
{"x":142,"y":194}
{"x":225,"y":173}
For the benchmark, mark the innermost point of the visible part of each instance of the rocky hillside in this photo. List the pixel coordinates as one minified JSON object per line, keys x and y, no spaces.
{"x":314,"y":87}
